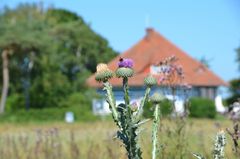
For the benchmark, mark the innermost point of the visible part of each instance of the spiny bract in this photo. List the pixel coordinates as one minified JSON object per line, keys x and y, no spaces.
{"x":124,"y":72}
{"x":103,"y":73}
{"x":150,"y":81}
{"x":157,"y":98}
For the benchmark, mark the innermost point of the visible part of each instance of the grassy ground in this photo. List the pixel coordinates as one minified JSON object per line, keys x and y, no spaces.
{"x":94,"y":140}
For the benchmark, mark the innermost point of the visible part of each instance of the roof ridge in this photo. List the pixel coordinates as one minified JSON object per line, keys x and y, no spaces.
{"x":154,"y":47}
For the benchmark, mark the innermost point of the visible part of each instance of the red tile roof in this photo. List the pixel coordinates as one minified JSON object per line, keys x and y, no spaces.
{"x":154,"y":48}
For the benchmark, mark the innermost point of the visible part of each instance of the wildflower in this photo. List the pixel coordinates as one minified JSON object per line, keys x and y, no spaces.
{"x":124,"y":68}
{"x":127,"y":63}
{"x":102,"y":67}
{"x":103,"y":73}
{"x":170,"y":72}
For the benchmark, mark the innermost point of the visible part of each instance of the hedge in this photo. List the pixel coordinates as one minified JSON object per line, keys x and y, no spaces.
{"x":202,"y":108}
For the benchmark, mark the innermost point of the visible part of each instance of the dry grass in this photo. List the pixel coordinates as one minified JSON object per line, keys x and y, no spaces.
{"x":95,"y":140}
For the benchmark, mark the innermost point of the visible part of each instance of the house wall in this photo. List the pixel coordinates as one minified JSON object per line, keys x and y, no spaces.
{"x":207,"y":92}
{"x":100,"y":106}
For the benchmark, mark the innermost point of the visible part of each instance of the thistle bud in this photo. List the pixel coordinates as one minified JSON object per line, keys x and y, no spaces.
{"x":103,"y":73}
{"x":123,"y":72}
{"x":157,"y":98}
{"x":150,"y":81}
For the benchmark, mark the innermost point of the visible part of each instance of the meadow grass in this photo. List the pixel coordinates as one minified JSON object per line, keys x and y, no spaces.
{"x":95,"y":140}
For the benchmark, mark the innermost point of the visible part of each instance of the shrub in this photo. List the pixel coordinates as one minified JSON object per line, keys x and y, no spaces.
{"x":202,"y":108}
{"x":49,"y":90}
{"x":15,"y":102}
{"x":78,"y":103}
{"x":46,"y":115}
{"x":165,"y":106}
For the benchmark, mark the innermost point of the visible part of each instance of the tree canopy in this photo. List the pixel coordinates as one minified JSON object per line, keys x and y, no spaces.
{"x":53,"y":51}
{"x":235,"y":83}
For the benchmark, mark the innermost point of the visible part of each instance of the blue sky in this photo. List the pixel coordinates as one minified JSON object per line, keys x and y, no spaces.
{"x":202,"y":28}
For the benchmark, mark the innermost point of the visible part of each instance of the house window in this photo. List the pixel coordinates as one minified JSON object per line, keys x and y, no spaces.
{"x":159,"y":69}
{"x":208,"y":92}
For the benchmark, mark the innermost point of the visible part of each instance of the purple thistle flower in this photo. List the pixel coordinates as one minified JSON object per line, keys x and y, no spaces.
{"x":128,"y":63}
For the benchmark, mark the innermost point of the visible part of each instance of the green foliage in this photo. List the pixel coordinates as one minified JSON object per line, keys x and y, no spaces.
{"x":61,"y":16}
{"x":51,"y":90}
{"x":124,"y":117}
{"x":61,"y":47}
{"x":76,"y":103}
{"x":235,"y":91}
{"x":235,"y":84}
{"x":202,"y":108}
{"x":238,"y":57}
{"x":127,"y":118}
{"x":79,"y":100}
{"x":165,"y":108}
{"x":47,"y":115}
{"x":15,"y":102}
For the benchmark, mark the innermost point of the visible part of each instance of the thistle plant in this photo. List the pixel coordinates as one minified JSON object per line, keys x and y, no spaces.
{"x":234,"y":115}
{"x":219,"y":145}
{"x":171,"y":75}
{"x":220,"y":142}
{"x":125,"y":115}
{"x":156,"y":100}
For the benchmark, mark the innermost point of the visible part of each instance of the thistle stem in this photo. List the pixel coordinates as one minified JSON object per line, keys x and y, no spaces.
{"x":143,"y":101}
{"x":155,"y":128}
{"x":125,"y":89}
{"x":129,"y":129}
{"x":111,"y":101}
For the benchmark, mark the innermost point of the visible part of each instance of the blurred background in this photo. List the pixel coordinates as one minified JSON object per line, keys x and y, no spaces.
{"x":50,"y":48}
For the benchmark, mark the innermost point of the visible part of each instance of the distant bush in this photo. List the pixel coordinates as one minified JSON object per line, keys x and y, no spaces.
{"x":78,"y":103}
{"x":202,"y":108}
{"x":15,"y":102}
{"x":47,"y":91}
{"x":166,"y":108}
{"x":234,"y":91}
{"x":46,"y":115}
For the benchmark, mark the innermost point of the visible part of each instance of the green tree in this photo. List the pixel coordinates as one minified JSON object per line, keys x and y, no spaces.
{"x":18,"y":39}
{"x":234,"y":90}
{"x":62,"y":49}
{"x":238,"y":57}
{"x":234,"y":87}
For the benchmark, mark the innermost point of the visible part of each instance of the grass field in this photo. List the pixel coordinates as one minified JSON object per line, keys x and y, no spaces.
{"x":95,"y":140}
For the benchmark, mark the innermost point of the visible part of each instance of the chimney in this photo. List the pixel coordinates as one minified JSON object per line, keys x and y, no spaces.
{"x":149,"y":32}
